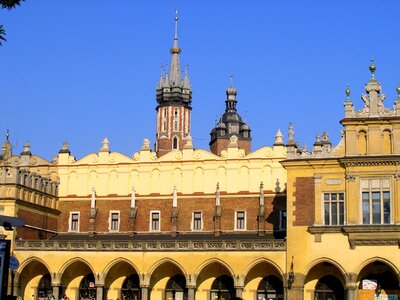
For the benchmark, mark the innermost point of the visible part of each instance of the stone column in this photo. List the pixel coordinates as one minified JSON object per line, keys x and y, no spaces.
{"x":56,"y":291}
{"x":295,"y":292}
{"x":239,"y":291}
{"x":99,"y":292}
{"x":145,"y":292}
{"x":239,"y":284}
{"x":351,"y":292}
{"x":191,"y":292}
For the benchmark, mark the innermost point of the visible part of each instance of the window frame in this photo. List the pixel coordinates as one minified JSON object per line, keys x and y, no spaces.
{"x":110,"y":221}
{"x":330,"y":202}
{"x":71,"y":221}
{"x":175,"y":143}
{"x":151,"y":221}
{"x":373,"y":191}
{"x":237,"y":220}
{"x":195,"y":220}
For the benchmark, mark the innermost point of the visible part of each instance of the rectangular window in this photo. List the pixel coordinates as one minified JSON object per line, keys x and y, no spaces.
{"x":114,"y":221}
{"x":282,"y":220}
{"x":334,"y":208}
{"x":155,"y":221}
{"x":197,"y":220}
{"x":74,"y":221}
{"x":376,"y":203}
{"x":240,"y":220}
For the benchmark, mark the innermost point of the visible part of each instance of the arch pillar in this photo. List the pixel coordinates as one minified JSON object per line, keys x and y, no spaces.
{"x":294,"y":290}
{"x":239,"y":285}
{"x":144,"y":285}
{"x":351,"y":286}
{"x":191,"y":285}
{"x":56,"y":284}
{"x":144,"y":291}
{"x":99,"y":291}
{"x":99,"y":278}
{"x":56,"y":290}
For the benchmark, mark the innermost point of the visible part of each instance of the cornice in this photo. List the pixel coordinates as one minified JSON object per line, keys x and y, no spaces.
{"x":367,"y":160}
{"x":362,"y":235}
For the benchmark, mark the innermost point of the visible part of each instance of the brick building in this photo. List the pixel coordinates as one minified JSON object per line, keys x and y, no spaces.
{"x":175,"y":222}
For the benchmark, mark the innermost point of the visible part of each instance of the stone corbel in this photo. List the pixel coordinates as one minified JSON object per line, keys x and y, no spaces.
{"x":350,"y":177}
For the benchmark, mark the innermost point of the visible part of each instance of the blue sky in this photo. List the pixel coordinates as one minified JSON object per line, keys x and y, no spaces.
{"x":79,"y":71}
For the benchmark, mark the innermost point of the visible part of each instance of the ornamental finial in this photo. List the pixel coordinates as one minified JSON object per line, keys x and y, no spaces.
{"x":372,"y":68}
{"x":398,"y":90}
{"x":347,"y":91}
{"x":7,"y":134}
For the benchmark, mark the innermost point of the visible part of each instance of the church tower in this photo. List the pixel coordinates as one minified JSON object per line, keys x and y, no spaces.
{"x":230,"y":124}
{"x":174,"y":96}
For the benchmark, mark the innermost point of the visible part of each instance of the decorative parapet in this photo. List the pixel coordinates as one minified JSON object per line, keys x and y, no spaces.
{"x":173,"y":245}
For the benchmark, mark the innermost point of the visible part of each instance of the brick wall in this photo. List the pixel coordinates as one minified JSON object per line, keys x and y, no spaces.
{"x":38,"y":220}
{"x":186,"y":208}
{"x":222,"y":144}
{"x":304,"y":203}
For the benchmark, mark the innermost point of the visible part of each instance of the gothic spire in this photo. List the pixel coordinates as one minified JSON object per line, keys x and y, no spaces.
{"x":175,"y":72}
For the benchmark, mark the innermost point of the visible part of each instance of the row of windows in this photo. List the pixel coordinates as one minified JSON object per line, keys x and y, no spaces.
{"x":155,"y":219}
{"x":375,"y":203}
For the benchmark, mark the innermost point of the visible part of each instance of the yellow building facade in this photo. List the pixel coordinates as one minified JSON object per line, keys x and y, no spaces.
{"x":343,"y":210}
{"x":175,"y":222}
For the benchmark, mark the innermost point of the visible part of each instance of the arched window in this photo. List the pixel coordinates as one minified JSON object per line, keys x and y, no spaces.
{"x":45,"y":290}
{"x":176,"y":119}
{"x":131,"y":288}
{"x":175,"y":143}
{"x":176,"y":288}
{"x":270,"y":287}
{"x":222,"y":288}
{"x":87,"y":289}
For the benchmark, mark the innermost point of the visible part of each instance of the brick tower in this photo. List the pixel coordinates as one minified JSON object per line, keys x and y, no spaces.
{"x":174,"y":96}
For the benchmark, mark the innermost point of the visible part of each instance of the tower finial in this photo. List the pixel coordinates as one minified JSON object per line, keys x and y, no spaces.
{"x":398,"y":90}
{"x":7,"y":134}
{"x":372,"y":68}
{"x":231,"y":79}
{"x":347,"y":91}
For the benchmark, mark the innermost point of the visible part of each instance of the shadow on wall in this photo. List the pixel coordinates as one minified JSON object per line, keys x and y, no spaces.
{"x":277,"y":216}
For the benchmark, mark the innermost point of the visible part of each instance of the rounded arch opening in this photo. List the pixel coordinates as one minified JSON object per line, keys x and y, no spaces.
{"x":329,"y":288}
{"x":378,"y":277}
